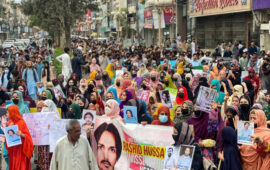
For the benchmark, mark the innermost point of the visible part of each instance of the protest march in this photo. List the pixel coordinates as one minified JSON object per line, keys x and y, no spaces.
{"x":102,"y":105}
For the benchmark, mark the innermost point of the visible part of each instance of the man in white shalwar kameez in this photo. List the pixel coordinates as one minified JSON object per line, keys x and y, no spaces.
{"x":73,"y":152}
{"x":66,"y":65}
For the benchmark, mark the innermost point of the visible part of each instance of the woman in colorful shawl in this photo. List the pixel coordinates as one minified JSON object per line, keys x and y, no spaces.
{"x":182,"y":95}
{"x":114,"y":94}
{"x":112,"y":110}
{"x":74,"y":112}
{"x":91,"y":77}
{"x":17,"y":99}
{"x":207,"y":132}
{"x":186,"y":112}
{"x":256,"y":156}
{"x":125,"y":97}
{"x":20,"y":155}
{"x":153,"y":80}
{"x":182,"y":135}
{"x":163,"y":117}
{"x":215,"y":84}
{"x":110,"y":70}
{"x":169,"y":83}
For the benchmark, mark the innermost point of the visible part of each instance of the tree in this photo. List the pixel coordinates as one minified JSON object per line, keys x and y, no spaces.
{"x":56,"y":16}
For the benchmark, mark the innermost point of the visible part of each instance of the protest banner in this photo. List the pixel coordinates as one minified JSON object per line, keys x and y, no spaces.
{"x":88,"y":119}
{"x":11,"y":137}
{"x":38,"y":125}
{"x":245,"y":129}
{"x":136,"y":146}
{"x":58,"y":130}
{"x":205,"y":99}
{"x":130,"y":114}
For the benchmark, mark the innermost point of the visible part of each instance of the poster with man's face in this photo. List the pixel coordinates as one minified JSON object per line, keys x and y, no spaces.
{"x":171,"y":157}
{"x":186,"y":154}
{"x":88,"y":119}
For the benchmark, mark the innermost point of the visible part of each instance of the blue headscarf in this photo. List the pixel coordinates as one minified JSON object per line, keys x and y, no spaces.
{"x":114,"y":91}
{"x":22,"y":107}
{"x":221,"y":95}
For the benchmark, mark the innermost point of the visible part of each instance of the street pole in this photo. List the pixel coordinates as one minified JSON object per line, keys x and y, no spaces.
{"x":159,"y":27}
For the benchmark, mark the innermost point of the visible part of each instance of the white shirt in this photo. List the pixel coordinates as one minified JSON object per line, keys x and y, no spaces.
{"x":66,"y":65}
{"x":69,"y":157}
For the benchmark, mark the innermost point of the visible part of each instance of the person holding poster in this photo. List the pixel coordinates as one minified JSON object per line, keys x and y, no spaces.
{"x":112,"y":110}
{"x":182,"y":135}
{"x":163,"y":117}
{"x":257,"y":156}
{"x":73,"y":150}
{"x":20,"y":155}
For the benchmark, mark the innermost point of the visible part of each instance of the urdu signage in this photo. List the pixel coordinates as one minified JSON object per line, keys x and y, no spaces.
{"x":199,"y":8}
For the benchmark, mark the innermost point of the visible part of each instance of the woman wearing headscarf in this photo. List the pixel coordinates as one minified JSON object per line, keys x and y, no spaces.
{"x":181,"y":95}
{"x":153,"y":80}
{"x":255,"y":81}
{"x":74,"y":112}
{"x":185,"y":83}
{"x":249,"y":90}
{"x":186,"y":112}
{"x":112,"y":110}
{"x":142,"y":70}
{"x":235,"y":75}
{"x":237,"y":91}
{"x":163,"y":117}
{"x":232,"y":116}
{"x":110,"y":70}
{"x":153,"y":104}
{"x":46,"y":75}
{"x":245,"y":105}
{"x":106,"y":79}
{"x":169,"y":83}
{"x":231,"y":154}
{"x":215,"y":84}
{"x":83,"y":85}
{"x":177,"y":79}
{"x":20,"y":155}
{"x":49,"y":106}
{"x":135,"y":80}
{"x":91,"y":77}
{"x":182,"y":135}
{"x":113,"y":91}
{"x":256,"y":156}
{"x":126,"y":84}
{"x":207,"y":132}
{"x":202,"y":82}
{"x":26,"y":97}
{"x":125,"y":97}
{"x":118,"y":85}
{"x":96,"y":103}
{"x":17,"y":99}
{"x":94,"y":66}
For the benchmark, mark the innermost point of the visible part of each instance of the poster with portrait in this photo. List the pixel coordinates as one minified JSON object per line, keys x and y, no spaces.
{"x":145,"y":95}
{"x":11,"y":137}
{"x":165,"y":98}
{"x":245,"y":129}
{"x":186,"y":153}
{"x":205,"y":99}
{"x":173,"y":93}
{"x":58,"y":91}
{"x":3,"y":118}
{"x":129,"y":146}
{"x":88,"y":119}
{"x":171,"y":157}
{"x":130,"y":114}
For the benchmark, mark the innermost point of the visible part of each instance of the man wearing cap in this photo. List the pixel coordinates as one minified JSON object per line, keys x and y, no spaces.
{"x":243,"y":61}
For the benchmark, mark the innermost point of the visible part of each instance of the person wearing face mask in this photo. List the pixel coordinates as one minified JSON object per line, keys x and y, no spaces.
{"x":5,"y":77}
{"x":162,"y":76}
{"x":206,"y":128}
{"x":168,"y":83}
{"x":142,"y":71}
{"x":74,"y":112}
{"x":30,"y":76}
{"x":177,"y":79}
{"x":163,"y":117}
{"x":118,"y":85}
{"x":17,"y":99}
{"x":106,"y":79}
{"x":181,"y":95}
{"x":135,"y":79}
{"x":244,"y":108}
{"x":215,"y":84}
{"x":183,"y":113}
{"x":182,"y":135}
{"x":232,"y":116}
{"x":153,"y":79}
{"x":49,"y":106}
{"x":256,"y":156}
{"x":24,"y":91}
{"x":112,"y":110}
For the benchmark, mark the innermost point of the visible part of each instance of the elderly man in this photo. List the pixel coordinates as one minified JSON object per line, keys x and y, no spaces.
{"x":73,"y":152}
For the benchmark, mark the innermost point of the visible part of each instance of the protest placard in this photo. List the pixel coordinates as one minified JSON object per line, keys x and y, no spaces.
{"x":205,"y":99}
{"x":171,"y":157}
{"x":145,"y":95}
{"x":173,"y":93}
{"x":166,"y":98}
{"x":136,"y":146}
{"x":11,"y":137}
{"x":58,"y":91}
{"x":186,"y":154}
{"x":130,"y":114}
{"x":245,"y":129}
{"x":38,"y":125}
{"x":58,"y":130}
{"x":88,"y":119}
